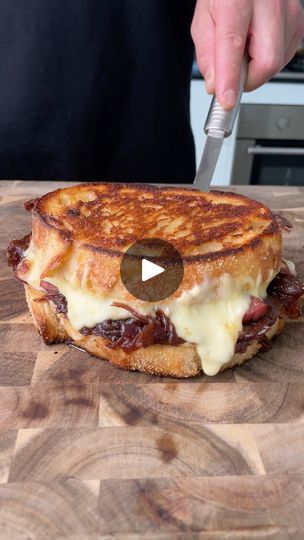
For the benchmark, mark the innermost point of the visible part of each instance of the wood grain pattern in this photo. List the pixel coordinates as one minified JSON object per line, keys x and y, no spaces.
{"x":89,"y":451}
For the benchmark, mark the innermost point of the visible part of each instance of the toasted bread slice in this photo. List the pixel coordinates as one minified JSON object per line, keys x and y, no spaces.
{"x":83,"y":231}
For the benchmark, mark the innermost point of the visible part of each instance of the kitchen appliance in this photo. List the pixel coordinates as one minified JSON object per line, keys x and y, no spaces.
{"x":269,"y":147}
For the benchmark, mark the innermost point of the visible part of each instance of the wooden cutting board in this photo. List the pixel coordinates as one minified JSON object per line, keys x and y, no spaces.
{"x":91,"y":451}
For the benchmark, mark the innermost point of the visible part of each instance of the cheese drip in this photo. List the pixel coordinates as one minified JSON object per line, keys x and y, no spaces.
{"x":209,"y":316}
{"x":213,"y":326}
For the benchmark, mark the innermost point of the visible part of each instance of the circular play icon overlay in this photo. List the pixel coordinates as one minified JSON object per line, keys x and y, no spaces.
{"x":152,"y":270}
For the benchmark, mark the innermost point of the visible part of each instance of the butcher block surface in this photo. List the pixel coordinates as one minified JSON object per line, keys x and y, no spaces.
{"x":89,"y":451}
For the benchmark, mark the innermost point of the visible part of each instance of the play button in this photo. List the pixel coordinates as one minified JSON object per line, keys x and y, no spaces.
{"x":151,"y":270}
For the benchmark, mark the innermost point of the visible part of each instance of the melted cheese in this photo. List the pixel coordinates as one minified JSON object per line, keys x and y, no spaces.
{"x":209,"y":316}
{"x":213,"y":327}
{"x":86,"y":309}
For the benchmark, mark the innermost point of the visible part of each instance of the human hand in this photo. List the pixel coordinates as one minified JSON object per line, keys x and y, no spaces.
{"x":220,"y":29}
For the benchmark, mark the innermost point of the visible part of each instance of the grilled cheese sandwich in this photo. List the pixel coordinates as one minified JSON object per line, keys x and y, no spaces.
{"x":231,"y":247}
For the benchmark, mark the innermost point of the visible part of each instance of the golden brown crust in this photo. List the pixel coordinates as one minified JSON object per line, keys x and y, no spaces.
{"x":165,"y":360}
{"x":83,"y":232}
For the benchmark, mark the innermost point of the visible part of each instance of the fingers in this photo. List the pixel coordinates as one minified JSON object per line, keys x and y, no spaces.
{"x":203,"y":35}
{"x":220,"y":29}
{"x":267,"y":42}
{"x":232,"y":23}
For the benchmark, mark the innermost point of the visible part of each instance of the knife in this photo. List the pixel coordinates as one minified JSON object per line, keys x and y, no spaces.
{"x":218,"y":126}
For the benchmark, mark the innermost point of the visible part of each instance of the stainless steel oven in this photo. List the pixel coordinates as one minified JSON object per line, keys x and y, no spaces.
{"x":269,"y":147}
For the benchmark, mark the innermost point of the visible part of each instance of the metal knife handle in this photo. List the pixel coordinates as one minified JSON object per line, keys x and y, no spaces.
{"x":220,"y":119}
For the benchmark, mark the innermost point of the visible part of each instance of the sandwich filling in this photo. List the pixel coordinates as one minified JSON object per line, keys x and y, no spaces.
{"x":219,"y":318}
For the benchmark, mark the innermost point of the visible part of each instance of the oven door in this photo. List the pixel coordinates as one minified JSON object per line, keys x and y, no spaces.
{"x":269,"y":148}
{"x":269,"y":162}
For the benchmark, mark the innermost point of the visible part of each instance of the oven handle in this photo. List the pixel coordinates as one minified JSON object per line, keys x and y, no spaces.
{"x":275,"y":150}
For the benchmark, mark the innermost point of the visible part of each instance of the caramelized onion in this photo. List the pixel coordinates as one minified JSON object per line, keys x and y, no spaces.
{"x":53,"y":294}
{"x":16,"y":249}
{"x":133,"y":333}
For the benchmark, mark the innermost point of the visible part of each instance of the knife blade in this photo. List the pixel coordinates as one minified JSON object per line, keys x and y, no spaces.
{"x":219,"y":125}
{"x":209,"y":159}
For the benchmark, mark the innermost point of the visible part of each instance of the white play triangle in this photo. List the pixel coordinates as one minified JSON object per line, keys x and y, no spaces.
{"x":150,"y":270}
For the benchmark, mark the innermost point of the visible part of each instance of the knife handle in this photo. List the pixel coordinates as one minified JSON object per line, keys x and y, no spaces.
{"x":220,"y":119}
